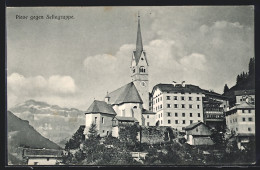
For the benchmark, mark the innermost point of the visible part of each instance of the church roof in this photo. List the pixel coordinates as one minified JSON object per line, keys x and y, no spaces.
{"x":100,"y":107}
{"x":126,"y":94}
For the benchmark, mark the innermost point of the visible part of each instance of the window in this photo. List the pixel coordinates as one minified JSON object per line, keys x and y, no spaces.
{"x":48,"y":159}
{"x":95,"y":119}
{"x":103,"y":120}
{"x":161,"y":114}
{"x":191,"y":121}
{"x":175,"y":105}
{"x":161,"y":98}
{"x":183,"y":114}
{"x":243,"y":119}
{"x":182,"y":97}
{"x":161,"y":106}
{"x":168,"y":97}
{"x":243,"y":111}
{"x":161,"y":122}
{"x":190,"y":106}
{"x":236,"y":129}
{"x":147,"y":123}
{"x":35,"y":163}
{"x":197,"y":129}
{"x":250,"y":119}
{"x":249,"y":110}
{"x":176,"y":122}
{"x":103,"y":131}
{"x":190,"y":114}
{"x":183,"y":121}
{"x":169,"y":113}
{"x":169,"y":121}
{"x":190,"y":98}
{"x":249,"y":129}
{"x":198,"y":106}
{"x":198,"y":98}
{"x":182,"y":105}
{"x":175,"y":98}
{"x":147,"y":116}
{"x":168,"y":105}
{"x":198,"y":114}
{"x":142,"y":69}
{"x":176,"y":114}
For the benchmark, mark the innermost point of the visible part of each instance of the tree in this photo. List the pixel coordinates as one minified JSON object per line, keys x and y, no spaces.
{"x":76,"y":139}
{"x":92,"y":132}
{"x":251,"y":66}
{"x":226,"y":88}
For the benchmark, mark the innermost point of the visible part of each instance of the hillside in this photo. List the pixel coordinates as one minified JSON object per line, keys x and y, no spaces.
{"x":51,"y":121}
{"x":20,"y":133}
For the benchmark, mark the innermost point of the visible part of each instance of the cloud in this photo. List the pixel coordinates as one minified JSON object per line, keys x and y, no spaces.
{"x":194,"y":60}
{"x":20,"y":88}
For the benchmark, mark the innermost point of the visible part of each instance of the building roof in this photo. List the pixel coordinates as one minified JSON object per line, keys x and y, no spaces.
{"x":126,"y":119}
{"x":144,"y":111}
{"x":49,"y":153}
{"x":126,"y":94}
{"x":188,"y":88}
{"x":243,"y":105}
{"x":194,"y":125}
{"x":245,"y":134}
{"x":139,"y":43}
{"x":100,"y":107}
{"x":244,"y":92}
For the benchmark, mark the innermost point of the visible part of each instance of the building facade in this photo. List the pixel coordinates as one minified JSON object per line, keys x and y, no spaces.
{"x":177,"y":105}
{"x":214,"y":107}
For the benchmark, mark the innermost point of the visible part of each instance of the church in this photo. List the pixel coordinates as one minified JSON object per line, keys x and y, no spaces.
{"x":127,"y":104}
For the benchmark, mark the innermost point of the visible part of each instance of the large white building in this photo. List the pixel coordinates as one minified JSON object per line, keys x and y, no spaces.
{"x":177,"y":105}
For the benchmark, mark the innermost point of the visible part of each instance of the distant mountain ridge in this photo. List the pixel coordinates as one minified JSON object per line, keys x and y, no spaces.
{"x":51,"y":121}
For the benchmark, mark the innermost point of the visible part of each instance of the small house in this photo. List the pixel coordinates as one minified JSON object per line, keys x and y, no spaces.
{"x":198,"y":134}
{"x":43,"y":156}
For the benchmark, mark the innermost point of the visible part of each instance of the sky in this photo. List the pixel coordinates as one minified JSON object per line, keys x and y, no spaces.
{"x":72,"y":62}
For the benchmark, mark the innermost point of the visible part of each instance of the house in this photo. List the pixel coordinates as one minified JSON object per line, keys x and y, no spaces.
{"x":119,"y":121}
{"x":149,"y":118}
{"x":198,"y":134}
{"x":43,"y":156}
{"x":177,"y":105}
{"x":214,"y":106}
{"x":240,"y":120}
{"x":100,"y":113}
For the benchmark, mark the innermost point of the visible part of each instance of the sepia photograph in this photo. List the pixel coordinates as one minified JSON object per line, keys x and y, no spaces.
{"x":130,"y":85}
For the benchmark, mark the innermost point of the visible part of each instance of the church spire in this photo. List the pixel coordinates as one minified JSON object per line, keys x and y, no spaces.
{"x":139,"y":44}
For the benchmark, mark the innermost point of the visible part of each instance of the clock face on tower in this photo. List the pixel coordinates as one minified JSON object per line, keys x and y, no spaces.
{"x":142,"y":83}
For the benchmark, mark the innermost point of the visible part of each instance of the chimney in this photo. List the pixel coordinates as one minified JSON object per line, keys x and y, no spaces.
{"x":107,"y":98}
{"x":174,"y":83}
{"x":183,"y":83}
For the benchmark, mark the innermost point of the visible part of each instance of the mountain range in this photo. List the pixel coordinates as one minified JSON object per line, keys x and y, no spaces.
{"x":51,"y":121}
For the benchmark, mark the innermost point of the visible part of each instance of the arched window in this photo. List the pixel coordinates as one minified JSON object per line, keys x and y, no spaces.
{"x":142,"y":69}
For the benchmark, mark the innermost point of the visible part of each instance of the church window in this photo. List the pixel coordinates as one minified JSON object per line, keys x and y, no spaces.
{"x":103,"y":121}
{"x":142,"y":58}
{"x":142,"y":69}
{"x":95,"y":119}
{"x":133,"y":70}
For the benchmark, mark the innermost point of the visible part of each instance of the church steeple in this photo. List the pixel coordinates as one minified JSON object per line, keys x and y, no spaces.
{"x":139,"y":44}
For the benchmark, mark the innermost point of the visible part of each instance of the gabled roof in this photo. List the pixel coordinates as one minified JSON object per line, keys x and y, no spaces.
{"x":126,"y":119}
{"x":43,"y":153}
{"x":243,"y":105}
{"x":188,"y":88}
{"x":126,"y":94}
{"x":100,"y":107}
{"x":244,"y":92}
{"x":194,"y":125}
